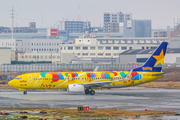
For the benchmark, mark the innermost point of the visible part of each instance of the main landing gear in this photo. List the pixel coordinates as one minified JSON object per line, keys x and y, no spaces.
{"x":25,"y":92}
{"x":89,"y":91}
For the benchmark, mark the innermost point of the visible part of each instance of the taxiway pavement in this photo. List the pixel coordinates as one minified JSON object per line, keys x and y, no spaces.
{"x":135,"y":98}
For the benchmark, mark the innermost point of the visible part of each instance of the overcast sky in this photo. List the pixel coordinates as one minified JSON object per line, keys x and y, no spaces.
{"x":47,"y":12}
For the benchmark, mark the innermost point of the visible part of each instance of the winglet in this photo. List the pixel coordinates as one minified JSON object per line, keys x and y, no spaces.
{"x":8,"y":78}
{"x":96,"y":69}
{"x":129,"y":75}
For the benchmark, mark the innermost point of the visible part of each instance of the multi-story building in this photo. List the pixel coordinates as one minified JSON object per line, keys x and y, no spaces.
{"x":73,"y":26}
{"x":136,"y":40}
{"x":32,"y":45}
{"x":30,"y":29}
{"x":101,"y":50}
{"x":158,"y":33}
{"x":137,"y":28}
{"x":113,"y":22}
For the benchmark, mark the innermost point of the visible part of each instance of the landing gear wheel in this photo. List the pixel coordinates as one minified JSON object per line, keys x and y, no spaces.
{"x":92,"y":92}
{"x":25,"y":92}
{"x":87,"y":91}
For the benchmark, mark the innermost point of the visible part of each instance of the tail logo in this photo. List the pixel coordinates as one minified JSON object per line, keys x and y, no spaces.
{"x":159,"y":59}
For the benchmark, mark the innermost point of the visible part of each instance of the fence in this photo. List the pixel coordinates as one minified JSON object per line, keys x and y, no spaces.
{"x":75,"y":67}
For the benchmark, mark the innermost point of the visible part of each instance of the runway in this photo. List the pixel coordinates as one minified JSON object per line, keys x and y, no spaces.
{"x":135,"y":98}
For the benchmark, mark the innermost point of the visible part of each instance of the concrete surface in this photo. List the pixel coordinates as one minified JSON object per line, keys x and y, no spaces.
{"x":135,"y":98}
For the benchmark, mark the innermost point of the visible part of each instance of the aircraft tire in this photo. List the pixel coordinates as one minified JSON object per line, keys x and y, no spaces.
{"x":25,"y":92}
{"x":92,"y":92}
{"x":87,"y":92}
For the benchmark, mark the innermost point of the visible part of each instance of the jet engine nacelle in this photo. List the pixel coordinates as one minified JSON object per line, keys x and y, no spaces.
{"x":75,"y":88}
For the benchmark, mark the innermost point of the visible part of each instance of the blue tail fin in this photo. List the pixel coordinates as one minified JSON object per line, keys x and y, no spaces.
{"x":155,"y":62}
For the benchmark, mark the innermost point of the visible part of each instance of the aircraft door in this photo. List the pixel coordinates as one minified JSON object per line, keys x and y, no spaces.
{"x":30,"y":79}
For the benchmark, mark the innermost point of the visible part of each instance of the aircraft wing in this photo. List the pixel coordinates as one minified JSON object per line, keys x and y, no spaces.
{"x":98,"y":84}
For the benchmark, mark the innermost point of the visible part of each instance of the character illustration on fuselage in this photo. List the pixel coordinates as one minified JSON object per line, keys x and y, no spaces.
{"x":86,"y":81}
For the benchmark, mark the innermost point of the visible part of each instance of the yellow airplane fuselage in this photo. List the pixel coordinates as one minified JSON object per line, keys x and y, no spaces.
{"x":39,"y":81}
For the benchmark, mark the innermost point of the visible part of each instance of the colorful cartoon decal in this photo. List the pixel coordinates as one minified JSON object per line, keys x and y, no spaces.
{"x":108,"y":75}
{"x":134,"y":74}
{"x":55,"y":76}
{"x":91,"y":74}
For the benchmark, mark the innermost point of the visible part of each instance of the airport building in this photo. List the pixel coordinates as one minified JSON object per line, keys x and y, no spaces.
{"x":32,"y":45}
{"x":101,"y":50}
{"x":123,"y":40}
{"x":140,"y":56}
{"x":5,"y":53}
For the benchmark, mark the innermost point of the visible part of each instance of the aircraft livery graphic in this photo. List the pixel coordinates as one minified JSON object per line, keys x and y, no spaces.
{"x":88,"y":81}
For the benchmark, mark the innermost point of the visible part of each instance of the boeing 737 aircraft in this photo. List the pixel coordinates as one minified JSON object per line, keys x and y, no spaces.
{"x":87,"y":81}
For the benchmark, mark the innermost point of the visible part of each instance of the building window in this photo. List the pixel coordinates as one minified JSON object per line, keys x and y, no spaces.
{"x":41,"y":56}
{"x":141,"y":59}
{"x":153,"y":47}
{"x":78,"y":54}
{"x":50,"y":57}
{"x":50,"y":49}
{"x":108,"y":48}
{"x":92,"y":54}
{"x":29,"y":56}
{"x":44,"y":49}
{"x":39,"y":49}
{"x":64,"y":48}
{"x":31,"y":49}
{"x":92,"y":48}
{"x":34,"y":49}
{"x":37,"y":44}
{"x":147,"y":47}
{"x":108,"y":54}
{"x":85,"y":48}
{"x":32,"y":44}
{"x":143,"y":48}
{"x":77,"y":48}
{"x":100,"y":48}
{"x":79,"y":40}
{"x":49,"y":43}
{"x":115,"y":48}
{"x":115,"y":54}
{"x":45,"y":44}
{"x":70,"y":48}
{"x":88,"y":40}
{"x":130,"y":48}
{"x":85,"y":54}
{"x":45,"y":57}
{"x":100,"y":54}
{"x":42,"y":44}
{"x":58,"y":57}
{"x":124,"y":48}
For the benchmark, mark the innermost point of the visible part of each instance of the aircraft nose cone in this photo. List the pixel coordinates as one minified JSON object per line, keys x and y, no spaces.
{"x":11,"y":83}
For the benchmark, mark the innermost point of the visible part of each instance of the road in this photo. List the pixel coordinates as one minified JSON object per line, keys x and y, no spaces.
{"x":135,"y":98}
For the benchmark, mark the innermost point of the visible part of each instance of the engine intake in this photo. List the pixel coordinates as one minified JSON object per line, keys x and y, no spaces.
{"x":75,"y":88}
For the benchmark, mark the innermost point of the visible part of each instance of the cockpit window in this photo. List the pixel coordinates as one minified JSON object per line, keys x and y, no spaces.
{"x":18,"y":78}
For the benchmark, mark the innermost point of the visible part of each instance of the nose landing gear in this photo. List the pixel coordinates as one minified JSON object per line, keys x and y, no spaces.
{"x":25,"y":92}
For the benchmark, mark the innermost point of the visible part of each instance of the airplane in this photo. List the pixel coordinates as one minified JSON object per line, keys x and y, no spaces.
{"x":87,"y":81}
